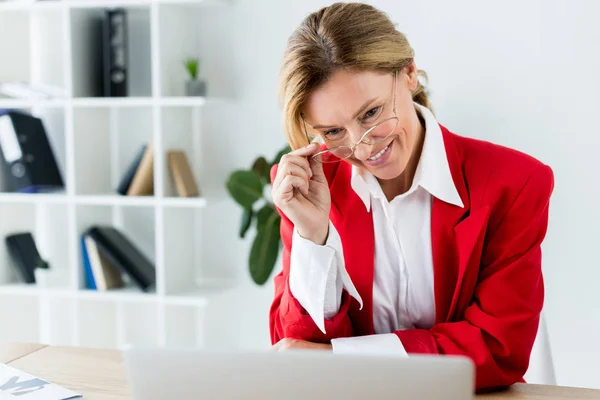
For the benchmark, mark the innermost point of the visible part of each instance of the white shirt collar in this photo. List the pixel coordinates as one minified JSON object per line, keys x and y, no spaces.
{"x":432,"y":174}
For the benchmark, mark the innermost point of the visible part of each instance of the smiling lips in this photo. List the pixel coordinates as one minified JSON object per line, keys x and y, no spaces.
{"x":378,"y":155}
{"x":381,"y":157}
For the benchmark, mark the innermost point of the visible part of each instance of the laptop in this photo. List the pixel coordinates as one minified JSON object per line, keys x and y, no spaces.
{"x":296,"y":375}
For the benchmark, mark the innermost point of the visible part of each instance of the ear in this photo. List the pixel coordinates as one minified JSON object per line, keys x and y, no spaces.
{"x":412,"y":76}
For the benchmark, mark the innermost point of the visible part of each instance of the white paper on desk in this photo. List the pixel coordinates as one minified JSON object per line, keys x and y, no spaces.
{"x":18,"y":385}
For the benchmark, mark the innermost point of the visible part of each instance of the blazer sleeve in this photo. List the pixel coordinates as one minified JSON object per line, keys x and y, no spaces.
{"x":287,"y":318}
{"x":499,"y":327}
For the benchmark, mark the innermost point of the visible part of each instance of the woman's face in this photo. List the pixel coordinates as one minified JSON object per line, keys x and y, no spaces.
{"x":349,"y":103}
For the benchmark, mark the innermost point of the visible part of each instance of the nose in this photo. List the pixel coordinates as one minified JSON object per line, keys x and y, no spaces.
{"x":362,"y":151}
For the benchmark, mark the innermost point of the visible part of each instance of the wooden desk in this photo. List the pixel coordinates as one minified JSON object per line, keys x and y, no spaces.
{"x":100,"y":374}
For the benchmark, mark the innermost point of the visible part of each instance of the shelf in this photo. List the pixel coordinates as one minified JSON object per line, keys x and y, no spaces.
{"x":182,"y":101}
{"x":138,"y":102}
{"x":116,"y":200}
{"x":112,"y":102}
{"x":20,"y":289}
{"x":24,"y":103}
{"x":33,"y":198}
{"x":108,"y":3}
{"x":26,"y":5}
{"x":103,"y":200}
{"x":95,"y":141}
{"x":127,"y":294}
{"x":131,"y":294}
{"x":140,"y":3}
{"x":25,"y":289}
{"x":192,"y":202}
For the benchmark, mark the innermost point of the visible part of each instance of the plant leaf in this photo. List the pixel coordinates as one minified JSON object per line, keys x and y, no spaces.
{"x":261,"y":168}
{"x":191,"y":64}
{"x":245,"y":187}
{"x":281,"y":153}
{"x":265,"y":247}
{"x":246,"y":221}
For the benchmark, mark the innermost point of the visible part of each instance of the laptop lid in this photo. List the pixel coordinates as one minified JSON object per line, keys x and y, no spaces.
{"x":297,"y":375}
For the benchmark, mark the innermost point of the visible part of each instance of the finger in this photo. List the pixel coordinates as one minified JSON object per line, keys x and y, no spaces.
{"x":316,"y":167}
{"x":282,"y":170}
{"x":306,"y":151}
{"x":291,"y":182}
{"x":297,"y":160}
{"x":296,"y":170}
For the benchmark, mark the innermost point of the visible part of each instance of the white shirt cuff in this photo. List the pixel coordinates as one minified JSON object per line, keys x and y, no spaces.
{"x":318,"y":275}
{"x":377,"y":345}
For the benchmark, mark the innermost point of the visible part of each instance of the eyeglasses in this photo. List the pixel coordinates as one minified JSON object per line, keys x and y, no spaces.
{"x":378,"y":133}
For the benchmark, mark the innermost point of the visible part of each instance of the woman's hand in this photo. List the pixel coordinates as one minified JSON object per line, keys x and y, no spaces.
{"x":295,"y":344}
{"x":301,"y":191}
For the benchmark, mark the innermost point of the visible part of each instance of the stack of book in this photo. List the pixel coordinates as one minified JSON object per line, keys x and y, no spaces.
{"x":138,"y":179}
{"x":108,"y":255}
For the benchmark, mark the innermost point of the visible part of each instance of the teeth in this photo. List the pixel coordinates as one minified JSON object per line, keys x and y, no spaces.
{"x":376,"y":156}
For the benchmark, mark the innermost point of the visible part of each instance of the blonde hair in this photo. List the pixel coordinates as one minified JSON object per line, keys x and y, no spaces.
{"x":351,"y":36}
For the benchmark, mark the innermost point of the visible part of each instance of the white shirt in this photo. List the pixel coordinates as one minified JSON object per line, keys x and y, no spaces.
{"x":403,"y":296}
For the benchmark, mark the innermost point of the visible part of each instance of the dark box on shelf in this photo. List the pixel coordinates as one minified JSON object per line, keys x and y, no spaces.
{"x":28,"y":159}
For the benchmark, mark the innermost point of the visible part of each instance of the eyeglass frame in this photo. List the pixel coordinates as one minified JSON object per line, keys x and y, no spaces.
{"x":362,"y":138}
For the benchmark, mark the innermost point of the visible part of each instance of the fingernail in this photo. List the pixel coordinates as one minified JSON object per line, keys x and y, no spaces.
{"x":310,"y":174}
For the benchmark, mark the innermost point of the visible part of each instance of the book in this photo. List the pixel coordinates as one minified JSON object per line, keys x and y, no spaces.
{"x":25,"y":255}
{"x":124,"y":254}
{"x":16,"y":384}
{"x":142,"y":183}
{"x":130,"y":173}
{"x":115,"y":53}
{"x":106,"y":275}
{"x":90,"y":283}
{"x":27,"y":154}
{"x":182,"y":174}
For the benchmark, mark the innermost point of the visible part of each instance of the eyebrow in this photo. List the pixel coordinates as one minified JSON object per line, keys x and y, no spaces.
{"x":360,"y":110}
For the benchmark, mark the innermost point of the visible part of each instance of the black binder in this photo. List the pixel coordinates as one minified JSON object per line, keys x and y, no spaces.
{"x":115,"y":53}
{"x":23,"y":251}
{"x":28,"y":157}
{"x":122,"y":253}
{"x":130,"y":173}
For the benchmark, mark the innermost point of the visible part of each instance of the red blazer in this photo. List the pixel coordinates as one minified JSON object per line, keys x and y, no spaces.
{"x":486,"y":256}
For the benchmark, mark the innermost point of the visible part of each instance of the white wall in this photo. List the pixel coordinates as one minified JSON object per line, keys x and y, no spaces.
{"x":522,"y":74}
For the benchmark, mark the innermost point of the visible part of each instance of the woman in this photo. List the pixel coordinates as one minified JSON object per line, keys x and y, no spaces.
{"x":399,"y":235}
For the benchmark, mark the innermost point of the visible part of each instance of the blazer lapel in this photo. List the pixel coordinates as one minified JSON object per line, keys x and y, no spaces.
{"x":355,"y":226}
{"x":469,"y":235}
{"x":457,"y":236}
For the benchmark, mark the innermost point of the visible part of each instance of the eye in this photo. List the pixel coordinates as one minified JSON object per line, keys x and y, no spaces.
{"x":333,"y":133}
{"x":372,"y":112}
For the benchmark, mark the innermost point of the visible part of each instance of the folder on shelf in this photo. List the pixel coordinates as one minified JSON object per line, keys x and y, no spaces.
{"x":28,"y":157}
{"x":22,"y":249}
{"x":182,"y":174}
{"x":123,"y":254}
{"x":106,"y":275}
{"x":115,"y":53}
{"x":127,"y":178}
{"x":142,"y":183}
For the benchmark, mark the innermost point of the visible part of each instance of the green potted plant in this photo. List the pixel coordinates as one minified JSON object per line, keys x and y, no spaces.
{"x":247,"y":188}
{"x":194,"y":86}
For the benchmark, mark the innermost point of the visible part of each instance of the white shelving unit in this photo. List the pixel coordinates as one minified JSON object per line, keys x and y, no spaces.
{"x":94,"y":140}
